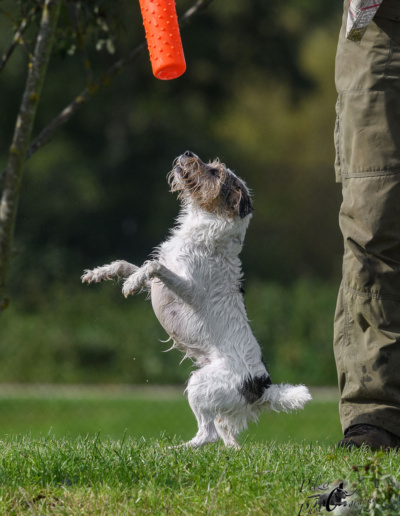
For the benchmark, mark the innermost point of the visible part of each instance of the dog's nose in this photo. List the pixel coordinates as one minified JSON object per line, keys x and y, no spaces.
{"x":189,"y":154}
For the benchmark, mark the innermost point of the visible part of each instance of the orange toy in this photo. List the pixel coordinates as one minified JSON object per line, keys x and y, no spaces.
{"x":163,"y":38}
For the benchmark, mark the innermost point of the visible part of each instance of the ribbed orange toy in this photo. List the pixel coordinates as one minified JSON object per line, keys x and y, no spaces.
{"x":163,"y":38}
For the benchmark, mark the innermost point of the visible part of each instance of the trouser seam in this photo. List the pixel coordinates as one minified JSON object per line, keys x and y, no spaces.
{"x":371,"y":295}
{"x":389,"y":61}
{"x":346,"y":337}
{"x":360,"y":174}
{"x":339,"y":136}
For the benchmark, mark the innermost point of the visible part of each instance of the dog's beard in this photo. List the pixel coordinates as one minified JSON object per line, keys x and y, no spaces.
{"x":210,"y":187}
{"x":193,"y":183}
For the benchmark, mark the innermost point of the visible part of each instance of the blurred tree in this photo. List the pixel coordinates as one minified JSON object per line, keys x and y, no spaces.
{"x":95,"y":189}
{"x":258,"y":92}
{"x":85,"y":21}
{"x":11,"y":178}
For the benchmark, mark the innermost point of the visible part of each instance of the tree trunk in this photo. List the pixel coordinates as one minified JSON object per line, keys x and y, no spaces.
{"x":21,"y":139}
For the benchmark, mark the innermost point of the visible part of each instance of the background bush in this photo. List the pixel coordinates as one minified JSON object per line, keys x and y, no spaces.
{"x":259,"y":93}
{"x":92,"y":334}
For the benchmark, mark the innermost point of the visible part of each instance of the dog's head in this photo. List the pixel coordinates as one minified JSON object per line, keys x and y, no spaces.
{"x":212,"y":187}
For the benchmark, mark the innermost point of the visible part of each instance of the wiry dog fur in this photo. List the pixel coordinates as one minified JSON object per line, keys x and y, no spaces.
{"x":195,"y":282}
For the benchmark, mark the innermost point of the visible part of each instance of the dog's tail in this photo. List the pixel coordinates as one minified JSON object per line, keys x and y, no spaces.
{"x":285,"y":397}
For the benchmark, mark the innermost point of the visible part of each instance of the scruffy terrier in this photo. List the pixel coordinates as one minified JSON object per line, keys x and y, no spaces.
{"x":195,"y":283}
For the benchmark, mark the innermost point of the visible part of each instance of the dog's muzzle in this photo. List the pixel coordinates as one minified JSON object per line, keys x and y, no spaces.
{"x":184,"y":164}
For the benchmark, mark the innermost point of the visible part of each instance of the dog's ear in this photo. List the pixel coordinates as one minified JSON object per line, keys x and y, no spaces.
{"x":241,"y":202}
{"x":245,"y":204}
{"x":236,"y":197}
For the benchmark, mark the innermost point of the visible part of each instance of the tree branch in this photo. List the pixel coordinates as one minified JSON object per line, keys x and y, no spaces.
{"x":16,"y":39}
{"x":11,"y":179}
{"x":74,"y":16}
{"x":200,"y":5}
{"x":85,"y":95}
{"x":46,"y":134}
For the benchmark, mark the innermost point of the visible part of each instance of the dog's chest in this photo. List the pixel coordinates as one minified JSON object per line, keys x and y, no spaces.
{"x":194,"y":326}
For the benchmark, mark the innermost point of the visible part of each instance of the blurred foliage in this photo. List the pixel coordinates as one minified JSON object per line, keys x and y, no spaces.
{"x":98,"y":336}
{"x":259,"y":93}
{"x":293,"y":325}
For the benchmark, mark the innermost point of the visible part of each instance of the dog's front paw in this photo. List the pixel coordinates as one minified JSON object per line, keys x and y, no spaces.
{"x":132,"y":285}
{"x":139,"y":279}
{"x":91,"y":276}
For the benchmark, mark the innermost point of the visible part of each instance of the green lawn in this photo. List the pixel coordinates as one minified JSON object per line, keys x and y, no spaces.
{"x":106,"y":451}
{"x":95,"y":476}
{"x":148,"y":413}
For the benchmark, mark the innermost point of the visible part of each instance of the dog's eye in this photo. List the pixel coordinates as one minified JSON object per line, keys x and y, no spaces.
{"x":214,"y":171}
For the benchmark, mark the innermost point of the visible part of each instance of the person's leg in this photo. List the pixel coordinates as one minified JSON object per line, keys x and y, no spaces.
{"x":367,"y":320}
{"x":367,"y":336}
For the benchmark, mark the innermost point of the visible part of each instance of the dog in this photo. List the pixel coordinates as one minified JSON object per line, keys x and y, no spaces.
{"x":195,"y":282}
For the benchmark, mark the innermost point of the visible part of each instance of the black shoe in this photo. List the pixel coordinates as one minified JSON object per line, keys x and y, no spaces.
{"x":371,"y":436}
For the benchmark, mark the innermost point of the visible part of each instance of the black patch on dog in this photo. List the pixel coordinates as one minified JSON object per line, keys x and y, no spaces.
{"x":242,"y":293}
{"x":236,"y":196}
{"x":245,"y":205}
{"x":253,"y":388}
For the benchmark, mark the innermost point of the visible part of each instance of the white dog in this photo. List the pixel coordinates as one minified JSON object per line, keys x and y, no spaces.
{"x":195,"y":283}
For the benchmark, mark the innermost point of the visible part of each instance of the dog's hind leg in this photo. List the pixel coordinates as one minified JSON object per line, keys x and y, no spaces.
{"x":206,"y":434}
{"x":226,"y":433}
{"x":206,"y":429}
{"x":212,"y":398}
{"x":115,"y":270}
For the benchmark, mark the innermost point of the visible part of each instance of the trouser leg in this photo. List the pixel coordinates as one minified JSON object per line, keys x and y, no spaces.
{"x":367,"y":322}
{"x":367,"y":138}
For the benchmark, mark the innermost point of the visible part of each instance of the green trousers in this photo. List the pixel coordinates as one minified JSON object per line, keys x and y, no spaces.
{"x":367,"y":141}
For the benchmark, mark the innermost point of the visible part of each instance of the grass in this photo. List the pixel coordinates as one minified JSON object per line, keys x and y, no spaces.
{"x":93,"y":451}
{"x":94,"y":476}
{"x":146,"y":412}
